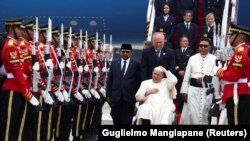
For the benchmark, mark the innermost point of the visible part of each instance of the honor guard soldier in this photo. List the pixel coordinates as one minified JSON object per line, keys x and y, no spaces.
{"x":31,"y":128}
{"x":98,"y":86}
{"x":80,"y":106}
{"x":25,"y":46}
{"x":236,"y":94}
{"x":15,"y":89}
{"x":49,"y":64}
{"x":63,"y":126}
{"x":93,"y":68}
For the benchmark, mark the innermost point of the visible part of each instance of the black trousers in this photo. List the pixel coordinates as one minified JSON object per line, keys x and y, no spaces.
{"x":88,"y":120}
{"x":12,"y":109}
{"x":64,"y":122}
{"x":122,"y":112}
{"x":78,"y":120}
{"x":243,"y":110}
{"x":97,"y":117}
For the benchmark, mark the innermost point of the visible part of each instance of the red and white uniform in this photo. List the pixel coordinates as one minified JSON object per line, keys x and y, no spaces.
{"x":14,"y":65}
{"x":236,"y":73}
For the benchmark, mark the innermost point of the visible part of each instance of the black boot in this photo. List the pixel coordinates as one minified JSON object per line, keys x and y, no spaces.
{"x":145,"y":122}
{"x":76,"y":139}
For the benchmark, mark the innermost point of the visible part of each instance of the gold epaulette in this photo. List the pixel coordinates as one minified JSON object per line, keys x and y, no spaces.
{"x":22,"y":43}
{"x":88,"y":50}
{"x":11,"y":43}
{"x":240,"y":49}
{"x":40,"y":46}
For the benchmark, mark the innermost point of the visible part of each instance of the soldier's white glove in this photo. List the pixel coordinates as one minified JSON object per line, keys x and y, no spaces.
{"x":59,"y":96}
{"x":103,"y":91}
{"x":86,"y":68}
{"x":233,"y":2}
{"x":47,"y":98}
{"x":95,"y":93}
{"x":49,"y":63}
{"x":104,"y":69}
{"x":96,"y":69}
{"x":36,"y":66}
{"x":86,"y":93}
{"x":80,"y":69}
{"x":69,"y":65}
{"x":221,"y":106}
{"x":34,"y":101}
{"x":66,"y":96}
{"x":78,"y":96}
{"x":61,"y":65}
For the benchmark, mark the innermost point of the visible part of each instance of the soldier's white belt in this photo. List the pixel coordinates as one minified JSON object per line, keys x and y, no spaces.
{"x":10,"y":75}
{"x":235,"y":94}
{"x":241,"y":80}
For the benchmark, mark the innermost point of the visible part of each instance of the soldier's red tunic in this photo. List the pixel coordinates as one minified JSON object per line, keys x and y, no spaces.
{"x":27,"y":62}
{"x":236,"y":73}
{"x":14,"y":65}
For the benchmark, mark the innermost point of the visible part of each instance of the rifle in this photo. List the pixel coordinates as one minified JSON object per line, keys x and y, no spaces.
{"x":95,"y":69}
{"x":70,"y":73}
{"x":79,"y":63}
{"x":86,"y":93}
{"x":59,"y":55}
{"x":49,"y":63}
{"x":35,"y":73}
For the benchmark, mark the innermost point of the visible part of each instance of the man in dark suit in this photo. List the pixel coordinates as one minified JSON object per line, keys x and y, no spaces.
{"x":188,"y":29}
{"x":156,"y":55}
{"x":122,"y":83}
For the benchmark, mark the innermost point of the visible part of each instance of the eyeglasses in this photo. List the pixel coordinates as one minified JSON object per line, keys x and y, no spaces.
{"x":126,"y":51}
{"x":203,"y":46}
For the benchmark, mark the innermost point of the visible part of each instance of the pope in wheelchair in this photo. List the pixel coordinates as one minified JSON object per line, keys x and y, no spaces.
{"x":156,"y":97}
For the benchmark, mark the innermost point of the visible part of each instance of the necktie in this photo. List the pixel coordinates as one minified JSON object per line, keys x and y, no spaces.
{"x":158,"y":54}
{"x":124,"y":67}
{"x":187,"y":26}
{"x":183,"y":50}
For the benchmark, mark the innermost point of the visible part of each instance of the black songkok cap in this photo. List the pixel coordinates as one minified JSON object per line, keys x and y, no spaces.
{"x":126,"y":46}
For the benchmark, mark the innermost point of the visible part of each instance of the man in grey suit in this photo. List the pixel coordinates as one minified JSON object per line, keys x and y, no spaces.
{"x":122,"y":83}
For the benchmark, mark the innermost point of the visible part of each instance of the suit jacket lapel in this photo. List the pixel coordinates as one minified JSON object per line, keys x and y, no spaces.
{"x":119,"y":67}
{"x":129,"y":67}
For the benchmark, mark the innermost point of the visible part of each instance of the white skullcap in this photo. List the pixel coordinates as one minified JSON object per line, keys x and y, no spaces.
{"x":160,"y":68}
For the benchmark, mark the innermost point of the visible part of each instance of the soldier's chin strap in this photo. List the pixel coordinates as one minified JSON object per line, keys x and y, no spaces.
{"x":44,"y":37}
{"x":248,"y":51}
{"x":26,"y":30}
{"x":15,"y":35}
{"x":235,"y":38}
{"x":55,"y":40}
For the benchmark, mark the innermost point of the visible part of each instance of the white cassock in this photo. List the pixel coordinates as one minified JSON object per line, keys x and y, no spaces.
{"x":158,"y":108}
{"x":195,"y":111}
